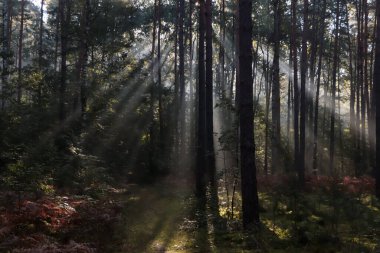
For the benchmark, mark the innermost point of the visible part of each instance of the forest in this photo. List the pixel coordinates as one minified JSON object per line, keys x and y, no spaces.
{"x":189,"y":126}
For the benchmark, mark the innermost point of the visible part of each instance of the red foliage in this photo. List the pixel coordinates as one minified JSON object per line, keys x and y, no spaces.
{"x":359,"y":185}
{"x":23,"y":227}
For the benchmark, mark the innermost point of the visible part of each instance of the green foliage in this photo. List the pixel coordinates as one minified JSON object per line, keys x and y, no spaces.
{"x":21,"y":178}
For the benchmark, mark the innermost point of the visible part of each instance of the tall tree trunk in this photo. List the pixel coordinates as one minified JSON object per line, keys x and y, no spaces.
{"x":64,"y":13}
{"x":303,"y":91}
{"x":200,"y":168}
{"x":209,"y":95}
{"x":376,"y":83}
{"x":295,"y":84}
{"x":20,"y":44}
{"x":222,"y":38}
{"x":363,"y":84}
{"x":372,"y":113}
{"x":316,"y":108}
{"x":268,"y":88}
{"x":152,"y":89}
{"x":85,"y":29}
{"x":56,"y":39}
{"x":181,"y":74}
{"x":176,"y":101}
{"x":6,"y":51}
{"x":250,"y":202}
{"x":366,"y":82}
{"x":352,"y":81}
{"x":276,"y":123}
{"x":359,"y":87}
{"x":40,"y":50}
{"x":333,"y":91}
{"x":191,"y":85}
{"x":159,"y":81}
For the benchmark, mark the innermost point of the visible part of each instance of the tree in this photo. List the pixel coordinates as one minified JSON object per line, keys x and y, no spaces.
{"x":201,"y":128}
{"x":210,"y":159}
{"x":40,"y":49}
{"x":293,"y":45}
{"x":20,"y":52}
{"x":301,"y":169}
{"x":7,"y":6}
{"x":83,"y":55}
{"x":64,"y":14}
{"x":333,"y":91}
{"x":181,"y":42}
{"x":159,"y":69}
{"x":376,"y":83}
{"x":319,"y":73}
{"x":250,"y":202}
{"x":276,"y":123}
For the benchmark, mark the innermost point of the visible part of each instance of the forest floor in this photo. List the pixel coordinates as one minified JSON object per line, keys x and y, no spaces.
{"x":166,"y":217}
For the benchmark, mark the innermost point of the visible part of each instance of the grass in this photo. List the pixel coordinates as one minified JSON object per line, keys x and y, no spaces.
{"x":166,"y":217}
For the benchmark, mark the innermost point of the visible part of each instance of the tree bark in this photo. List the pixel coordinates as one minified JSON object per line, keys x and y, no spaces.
{"x":200,"y":168}
{"x":181,"y":74}
{"x":295,"y":84}
{"x":20,"y":44}
{"x":276,"y":123}
{"x":301,"y":172}
{"x":333,"y":91}
{"x":209,"y":95}
{"x":316,"y":109}
{"x":159,"y":81}
{"x":250,"y":203}
{"x":6,"y":51}
{"x":64,"y":13}
{"x":85,"y":29}
{"x":40,"y":50}
{"x":376,"y":83}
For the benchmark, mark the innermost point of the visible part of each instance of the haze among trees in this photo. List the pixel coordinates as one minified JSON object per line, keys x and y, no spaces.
{"x":190,"y":126}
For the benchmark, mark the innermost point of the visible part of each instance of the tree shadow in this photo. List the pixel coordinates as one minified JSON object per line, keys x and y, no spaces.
{"x":149,"y":221}
{"x":201,"y":241}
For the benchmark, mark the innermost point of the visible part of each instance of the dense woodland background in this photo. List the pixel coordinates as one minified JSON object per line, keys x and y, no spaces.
{"x":190,"y":126}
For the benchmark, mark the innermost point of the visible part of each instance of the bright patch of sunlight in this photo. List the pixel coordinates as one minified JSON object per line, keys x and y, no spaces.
{"x":364,"y":242}
{"x":224,"y":211}
{"x":134,"y":198}
{"x":145,"y":138}
{"x":177,"y":242}
{"x":282,"y":233}
{"x":314,"y":218}
{"x":369,"y":202}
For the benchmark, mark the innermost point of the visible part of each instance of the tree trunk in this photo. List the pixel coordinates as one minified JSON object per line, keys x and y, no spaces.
{"x":222,"y":38}
{"x":376,"y":85}
{"x":359,"y":88}
{"x":209,"y":95}
{"x":20,"y":43}
{"x":85,"y":28}
{"x":352,"y":82}
{"x":333,"y":91}
{"x":64,"y":13}
{"x":276,"y":123}
{"x":200,"y":168}
{"x":303,"y":92}
{"x":40,"y":50}
{"x":316,"y":109}
{"x":57,"y":36}
{"x":159,"y":81}
{"x":295,"y":84}
{"x":152,"y":89}
{"x":181,"y":74}
{"x":250,"y":203}
{"x":6,"y":51}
